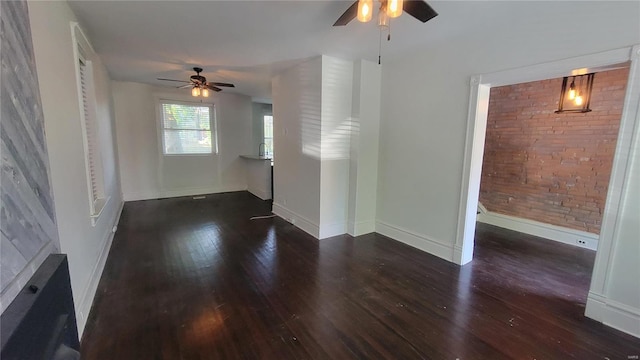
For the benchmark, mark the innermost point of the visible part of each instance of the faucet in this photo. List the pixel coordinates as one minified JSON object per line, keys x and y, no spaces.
{"x":261,"y":149}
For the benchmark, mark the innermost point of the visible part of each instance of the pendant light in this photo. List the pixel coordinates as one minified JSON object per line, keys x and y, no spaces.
{"x":575,"y":96}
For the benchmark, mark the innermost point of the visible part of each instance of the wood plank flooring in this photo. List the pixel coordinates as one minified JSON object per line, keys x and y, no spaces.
{"x":196,"y":279}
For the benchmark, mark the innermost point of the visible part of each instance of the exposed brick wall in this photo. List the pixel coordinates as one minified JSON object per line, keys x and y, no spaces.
{"x":552,"y":168}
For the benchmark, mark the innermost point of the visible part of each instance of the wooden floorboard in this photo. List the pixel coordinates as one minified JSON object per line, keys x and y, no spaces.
{"x":196,"y":279}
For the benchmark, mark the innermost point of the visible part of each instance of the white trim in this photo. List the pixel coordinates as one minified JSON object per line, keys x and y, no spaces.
{"x":89,"y":292}
{"x":421,"y":242}
{"x":612,"y":313}
{"x":297,"y":220}
{"x":536,"y":228}
{"x":137,"y":196}
{"x":481,"y":208}
{"x":330,"y":230}
{"x":361,"y":227}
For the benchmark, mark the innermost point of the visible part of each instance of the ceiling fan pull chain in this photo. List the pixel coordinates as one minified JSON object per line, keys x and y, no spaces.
{"x":389,"y":29}
{"x":380,"y":46}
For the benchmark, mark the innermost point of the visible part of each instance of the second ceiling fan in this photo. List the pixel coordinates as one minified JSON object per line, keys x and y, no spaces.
{"x":199,"y":84}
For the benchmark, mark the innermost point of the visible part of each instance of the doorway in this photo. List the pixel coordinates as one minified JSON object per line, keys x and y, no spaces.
{"x":475,"y":138}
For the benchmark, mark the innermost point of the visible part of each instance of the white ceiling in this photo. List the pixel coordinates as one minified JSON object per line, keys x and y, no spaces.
{"x":247,"y":42}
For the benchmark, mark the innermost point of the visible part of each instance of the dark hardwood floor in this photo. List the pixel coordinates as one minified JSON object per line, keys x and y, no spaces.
{"x":196,"y":279}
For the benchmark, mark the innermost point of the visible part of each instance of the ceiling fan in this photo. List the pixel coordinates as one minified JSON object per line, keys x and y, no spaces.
{"x":363,"y":10}
{"x":199,"y":84}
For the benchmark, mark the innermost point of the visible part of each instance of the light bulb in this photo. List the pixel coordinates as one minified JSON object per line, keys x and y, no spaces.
{"x":394,"y":8}
{"x":195,"y":91}
{"x":365,"y":10}
{"x":572,"y":89}
{"x":205,"y":92}
{"x":578,"y":100}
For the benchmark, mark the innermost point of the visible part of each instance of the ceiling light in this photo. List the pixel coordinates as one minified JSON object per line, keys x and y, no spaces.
{"x":577,"y":96}
{"x":195,"y":91}
{"x":394,"y":8}
{"x":365,"y":10}
{"x":205,"y":92}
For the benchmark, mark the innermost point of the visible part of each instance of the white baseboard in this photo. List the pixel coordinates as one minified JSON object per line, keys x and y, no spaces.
{"x":482,"y":209}
{"x":297,"y":220}
{"x":612,"y":313}
{"x":361,"y":227}
{"x":136,"y":196}
{"x":421,"y":242}
{"x":552,"y":232}
{"x":90,"y":291}
{"x":329,"y":230}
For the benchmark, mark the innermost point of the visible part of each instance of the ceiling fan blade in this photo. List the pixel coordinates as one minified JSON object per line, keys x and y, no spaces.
{"x":172,"y":80}
{"x":184,"y":86}
{"x":348,"y":15}
{"x":221,"y":84}
{"x":216,"y":89}
{"x":419,"y":10}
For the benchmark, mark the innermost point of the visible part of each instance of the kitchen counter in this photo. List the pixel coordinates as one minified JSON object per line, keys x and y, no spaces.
{"x":258,"y":175}
{"x":255,"y":157}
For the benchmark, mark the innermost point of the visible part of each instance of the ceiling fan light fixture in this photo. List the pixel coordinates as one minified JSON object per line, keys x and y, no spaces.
{"x":394,"y":8}
{"x":205,"y":92}
{"x":195,"y":91}
{"x":365,"y":10}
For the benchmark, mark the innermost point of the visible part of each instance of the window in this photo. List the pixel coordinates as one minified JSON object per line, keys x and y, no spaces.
{"x":268,"y":136}
{"x":89,"y":123}
{"x":188,"y":129}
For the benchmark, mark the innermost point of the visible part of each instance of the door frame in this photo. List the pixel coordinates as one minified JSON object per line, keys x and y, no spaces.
{"x":474,"y":150}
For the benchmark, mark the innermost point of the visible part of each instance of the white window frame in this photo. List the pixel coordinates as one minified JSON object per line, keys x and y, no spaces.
{"x":83,"y":54}
{"x":264,"y":135}
{"x":213,"y":125}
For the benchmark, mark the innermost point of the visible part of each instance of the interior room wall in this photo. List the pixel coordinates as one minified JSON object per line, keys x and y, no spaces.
{"x":549,"y":167}
{"x":147,"y":174}
{"x":423,"y":126}
{"x":259,"y":111}
{"x":296,"y":94}
{"x":363,"y":158}
{"x":27,"y":221}
{"x":86,"y":245}
{"x":336,"y":129}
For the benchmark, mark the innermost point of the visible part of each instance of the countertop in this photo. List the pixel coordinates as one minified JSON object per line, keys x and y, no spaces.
{"x":255,"y":157}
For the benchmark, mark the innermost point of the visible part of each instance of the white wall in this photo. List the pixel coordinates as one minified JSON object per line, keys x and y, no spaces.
{"x":365,"y":131}
{"x":423,"y":126}
{"x":86,"y":245}
{"x":296,"y":172}
{"x":147,"y":174}
{"x":336,"y":128}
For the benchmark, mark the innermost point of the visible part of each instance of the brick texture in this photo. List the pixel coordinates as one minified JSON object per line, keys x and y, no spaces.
{"x":548,"y":167}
